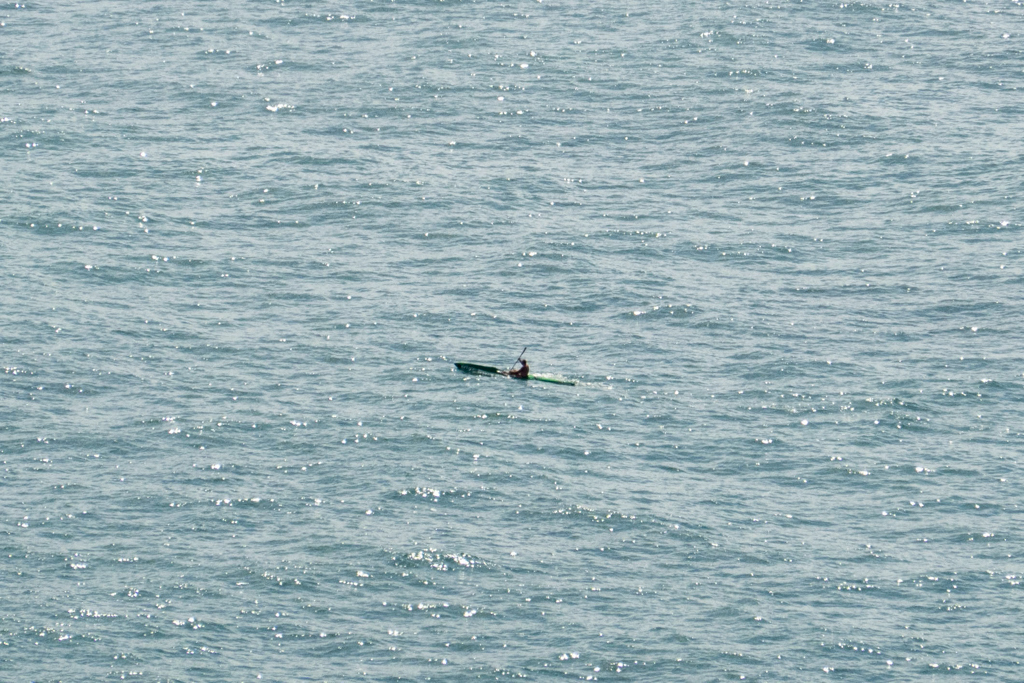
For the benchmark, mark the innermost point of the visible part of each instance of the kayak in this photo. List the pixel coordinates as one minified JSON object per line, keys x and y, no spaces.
{"x":491,"y":370}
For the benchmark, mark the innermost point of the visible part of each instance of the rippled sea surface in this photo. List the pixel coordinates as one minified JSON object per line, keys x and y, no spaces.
{"x":778,"y":245}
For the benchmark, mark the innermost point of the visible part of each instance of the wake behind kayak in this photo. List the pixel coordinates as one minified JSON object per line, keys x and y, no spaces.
{"x":476,"y":368}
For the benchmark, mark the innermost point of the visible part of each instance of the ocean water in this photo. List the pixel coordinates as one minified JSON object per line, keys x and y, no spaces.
{"x":778,"y":244}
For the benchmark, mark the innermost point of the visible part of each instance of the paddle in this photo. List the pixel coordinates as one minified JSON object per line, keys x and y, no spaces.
{"x":520,"y":356}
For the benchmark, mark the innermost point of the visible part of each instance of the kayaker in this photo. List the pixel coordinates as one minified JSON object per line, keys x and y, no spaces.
{"x":523,"y":372}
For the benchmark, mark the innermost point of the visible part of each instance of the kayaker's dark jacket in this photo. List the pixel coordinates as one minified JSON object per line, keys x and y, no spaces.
{"x":522,"y":372}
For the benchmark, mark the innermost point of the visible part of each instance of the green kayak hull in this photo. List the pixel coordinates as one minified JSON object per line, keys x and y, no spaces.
{"x":491,"y":370}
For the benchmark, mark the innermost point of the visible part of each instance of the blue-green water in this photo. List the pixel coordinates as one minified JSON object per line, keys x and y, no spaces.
{"x":778,"y":244}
